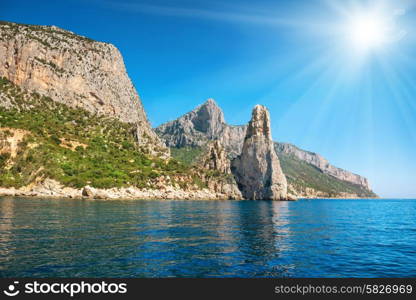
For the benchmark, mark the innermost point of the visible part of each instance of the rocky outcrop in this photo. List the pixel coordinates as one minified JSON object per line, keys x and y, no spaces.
{"x":75,"y":71}
{"x":182,"y":133}
{"x":195,"y":128}
{"x":227,"y":188}
{"x":216,"y":158}
{"x":70,"y":69}
{"x":257,"y":170}
{"x":258,"y":174}
{"x":208,"y":119}
{"x":200,"y":126}
{"x":232,"y":139}
{"x":322,"y":164}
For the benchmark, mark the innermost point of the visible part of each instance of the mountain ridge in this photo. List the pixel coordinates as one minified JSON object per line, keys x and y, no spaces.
{"x":232,"y":138}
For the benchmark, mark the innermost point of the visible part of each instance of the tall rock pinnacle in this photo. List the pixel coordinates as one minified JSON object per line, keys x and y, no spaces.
{"x":257,"y":170}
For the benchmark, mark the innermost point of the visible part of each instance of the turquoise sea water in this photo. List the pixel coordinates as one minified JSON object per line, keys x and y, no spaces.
{"x":307,"y":238}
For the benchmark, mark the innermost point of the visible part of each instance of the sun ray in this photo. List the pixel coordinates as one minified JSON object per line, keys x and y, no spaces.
{"x":395,"y":82}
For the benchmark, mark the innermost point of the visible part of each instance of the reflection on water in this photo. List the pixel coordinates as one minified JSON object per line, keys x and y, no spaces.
{"x":7,"y":211}
{"x":318,"y":238}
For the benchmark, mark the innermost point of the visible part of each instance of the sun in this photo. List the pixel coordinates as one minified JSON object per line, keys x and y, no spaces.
{"x":368,"y":32}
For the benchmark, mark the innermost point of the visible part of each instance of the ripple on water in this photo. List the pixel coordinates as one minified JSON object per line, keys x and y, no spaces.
{"x":307,"y":238}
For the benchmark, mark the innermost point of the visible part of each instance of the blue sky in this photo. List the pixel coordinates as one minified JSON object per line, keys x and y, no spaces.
{"x":353,"y":102}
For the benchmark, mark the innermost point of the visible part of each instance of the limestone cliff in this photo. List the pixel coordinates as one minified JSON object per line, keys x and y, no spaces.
{"x":198,"y":127}
{"x":232,"y":138}
{"x":257,"y":170}
{"x":195,"y":128}
{"x":76,"y":71}
{"x":216,"y":158}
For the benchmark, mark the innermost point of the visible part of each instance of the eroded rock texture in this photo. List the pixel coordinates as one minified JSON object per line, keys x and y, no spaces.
{"x":200,"y":126}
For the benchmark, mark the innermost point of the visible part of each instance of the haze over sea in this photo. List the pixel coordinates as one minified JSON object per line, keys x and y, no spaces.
{"x":306,"y":238}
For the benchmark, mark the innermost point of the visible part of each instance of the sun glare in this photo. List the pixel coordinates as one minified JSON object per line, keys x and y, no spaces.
{"x":367,"y":32}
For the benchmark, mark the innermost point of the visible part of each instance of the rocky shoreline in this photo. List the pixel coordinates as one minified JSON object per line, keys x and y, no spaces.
{"x":52,"y":189}
{"x":145,"y":194}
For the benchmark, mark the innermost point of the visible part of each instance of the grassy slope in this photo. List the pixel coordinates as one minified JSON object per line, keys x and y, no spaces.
{"x":111,"y":158}
{"x":187,"y":155}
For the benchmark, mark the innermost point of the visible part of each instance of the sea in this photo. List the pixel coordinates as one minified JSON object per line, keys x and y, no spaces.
{"x":182,"y":238}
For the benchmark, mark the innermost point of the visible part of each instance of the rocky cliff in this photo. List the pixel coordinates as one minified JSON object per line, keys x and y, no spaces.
{"x":76,"y":71}
{"x":195,"y":128}
{"x":308,"y":173}
{"x":198,"y":127}
{"x":216,"y":161}
{"x":232,"y":138}
{"x":321,"y":163}
{"x":216,"y":158}
{"x":257,"y":169}
{"x":50,"y":149}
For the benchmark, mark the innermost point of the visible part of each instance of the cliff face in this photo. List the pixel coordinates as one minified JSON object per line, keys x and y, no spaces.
{"x":257,"y":170}
{"x":198,"y":127}
{"x":75,"y":71}
{"x":195,"y":128}
{"x":232,"y":138}
{"x":216,"y":158}
{"x":322,"y":164}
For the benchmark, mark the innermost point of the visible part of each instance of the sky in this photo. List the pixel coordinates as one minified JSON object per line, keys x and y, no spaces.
{"x":339,"y":77}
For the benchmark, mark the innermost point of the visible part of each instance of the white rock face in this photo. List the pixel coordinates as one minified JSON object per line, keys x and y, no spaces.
{"x":200,"y":126}
{"x":257,"y":170}
{"x":195,"y":128}
{"x":216,"y":158}
{"x":232,"y":139}
{"x":72,"y":70}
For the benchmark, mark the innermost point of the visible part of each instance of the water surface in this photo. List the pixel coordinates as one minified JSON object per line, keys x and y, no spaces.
{"x":307,"y":238}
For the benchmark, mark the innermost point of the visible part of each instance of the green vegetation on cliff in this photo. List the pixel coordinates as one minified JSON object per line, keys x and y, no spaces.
{"x":302,"y":175}
{"x":299,"y":174}
{"x":187,"y":155}
{"x":72,"y":146}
